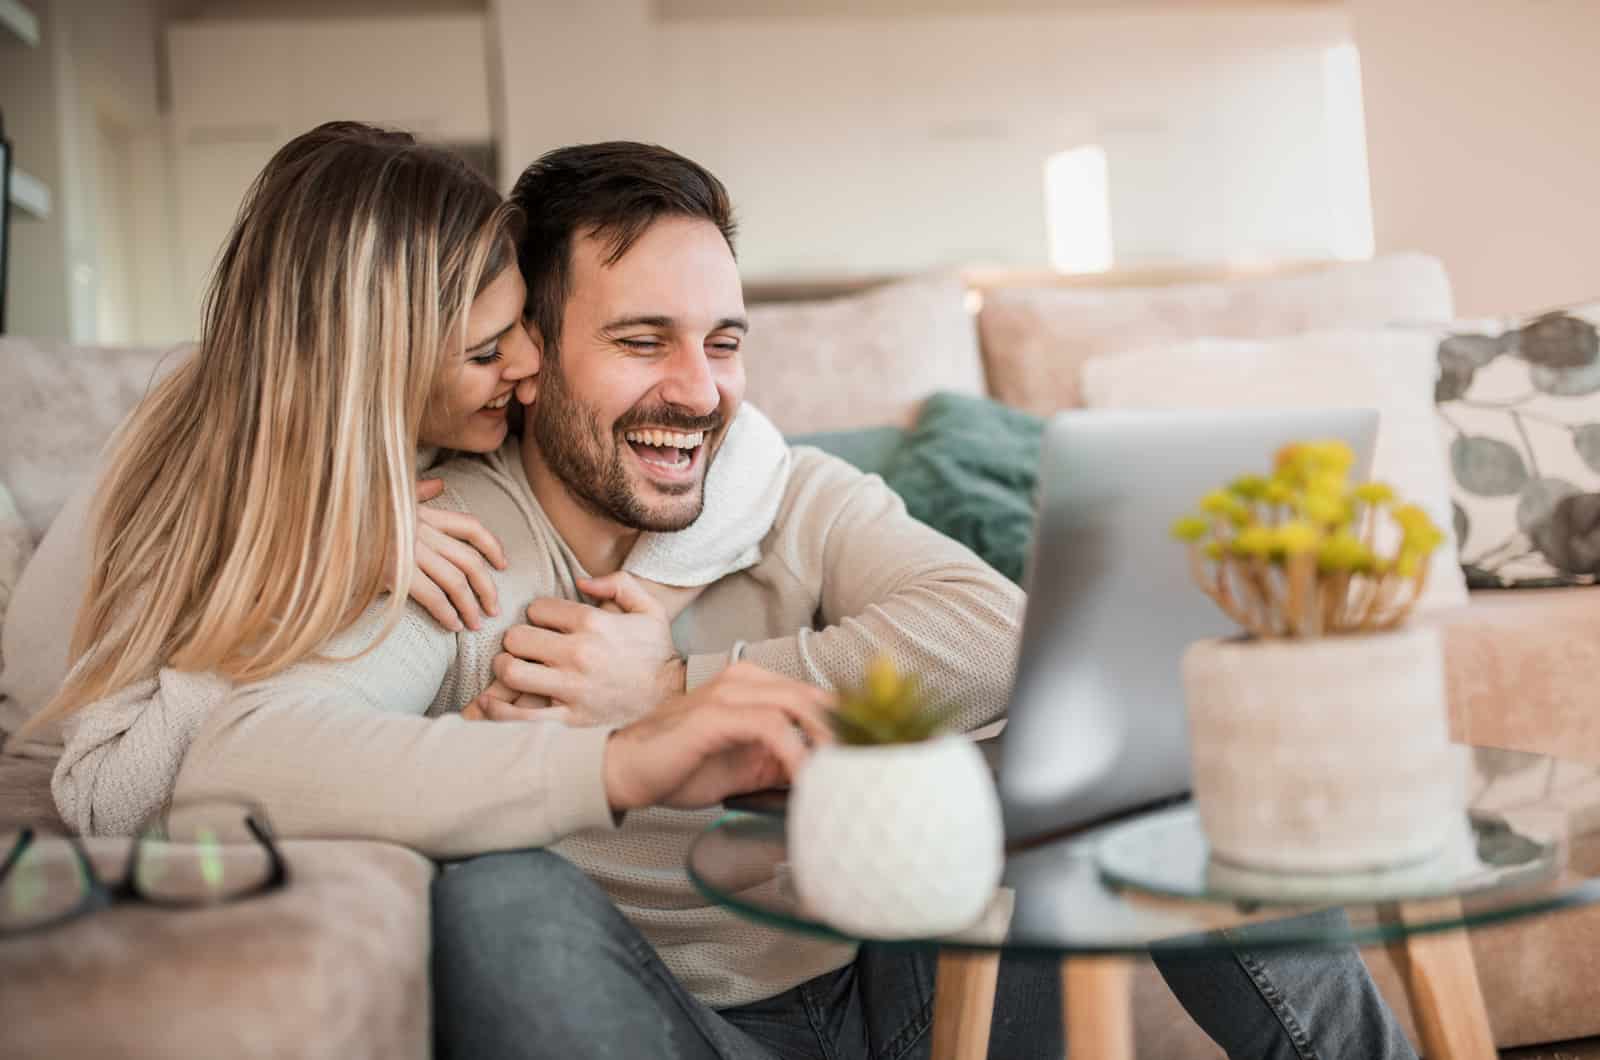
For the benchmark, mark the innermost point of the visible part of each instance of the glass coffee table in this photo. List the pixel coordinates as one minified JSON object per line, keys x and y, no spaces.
{"x":1529,"y":845}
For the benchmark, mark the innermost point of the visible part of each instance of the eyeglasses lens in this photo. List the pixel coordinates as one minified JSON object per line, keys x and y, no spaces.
{"x":44,"y":884}
{"x":200,"y":854}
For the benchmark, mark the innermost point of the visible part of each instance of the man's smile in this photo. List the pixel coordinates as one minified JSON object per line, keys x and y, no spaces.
{"x":668,"y":458}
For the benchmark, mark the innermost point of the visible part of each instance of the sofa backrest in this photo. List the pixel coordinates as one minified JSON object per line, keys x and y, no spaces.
{"x":58,"y":407}
{"x":864,"y":351}
{"x":821,"y":356}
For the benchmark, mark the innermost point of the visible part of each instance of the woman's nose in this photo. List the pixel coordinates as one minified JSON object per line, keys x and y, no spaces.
{"x":521,"y":355}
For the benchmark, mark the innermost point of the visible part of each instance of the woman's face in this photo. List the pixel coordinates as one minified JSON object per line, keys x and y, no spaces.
{"x":499,"y":366}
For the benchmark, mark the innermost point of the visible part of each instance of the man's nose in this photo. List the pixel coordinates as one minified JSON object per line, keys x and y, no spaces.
{"x":689,"y":383}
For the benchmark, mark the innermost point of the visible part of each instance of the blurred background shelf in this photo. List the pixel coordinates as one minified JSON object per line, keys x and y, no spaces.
{"x":18,"y":20}
{"x":29,"y":195}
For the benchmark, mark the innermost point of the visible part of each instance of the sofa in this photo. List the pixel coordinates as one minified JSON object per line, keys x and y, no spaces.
{"x":825,"y":356}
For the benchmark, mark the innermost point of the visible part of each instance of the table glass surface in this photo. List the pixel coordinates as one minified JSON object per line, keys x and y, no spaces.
{"x":1528,"y":843}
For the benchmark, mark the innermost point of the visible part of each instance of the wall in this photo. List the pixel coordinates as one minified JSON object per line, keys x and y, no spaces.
{"x":886,"y":144}
{"x":83,"y":112}
{"x":243,"y":87}
{"x":31,"y":97}
{"x":1480,"y":129}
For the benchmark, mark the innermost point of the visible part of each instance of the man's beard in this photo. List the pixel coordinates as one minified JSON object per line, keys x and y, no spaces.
{"x":589,"y":461}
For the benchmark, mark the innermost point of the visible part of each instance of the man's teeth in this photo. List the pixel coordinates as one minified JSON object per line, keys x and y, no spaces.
{"x":500,"y":402}
{"x":667,"y":439}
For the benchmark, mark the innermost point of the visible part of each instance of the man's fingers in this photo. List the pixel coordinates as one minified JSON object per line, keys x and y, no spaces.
{"x":563,"y":616}
{"x":780,"y":740}
{"x":622,"y":589}
{"x":533,"y":678}
{"x":466,"y":528}
{"x":538,"y":645}
{"x":812,"y":720}
{"x":429,"y":488}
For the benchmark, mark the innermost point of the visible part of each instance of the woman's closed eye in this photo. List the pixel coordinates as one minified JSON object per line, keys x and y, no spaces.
{"x":487,"y":357}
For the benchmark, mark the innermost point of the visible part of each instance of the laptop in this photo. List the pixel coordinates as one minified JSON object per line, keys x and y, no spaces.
{"x":1097,"y":727}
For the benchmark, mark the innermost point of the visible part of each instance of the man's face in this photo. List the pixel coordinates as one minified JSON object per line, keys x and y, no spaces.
{"x":635,"y":404}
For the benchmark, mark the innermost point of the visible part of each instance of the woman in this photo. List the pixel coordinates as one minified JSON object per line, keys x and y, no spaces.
{"x":262,"y":499}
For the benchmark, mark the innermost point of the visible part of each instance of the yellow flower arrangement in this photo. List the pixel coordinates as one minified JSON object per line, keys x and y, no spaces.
{"x":1296,"y":554}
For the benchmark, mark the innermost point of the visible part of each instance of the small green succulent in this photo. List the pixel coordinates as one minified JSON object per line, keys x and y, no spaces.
{"x":887,"y":708}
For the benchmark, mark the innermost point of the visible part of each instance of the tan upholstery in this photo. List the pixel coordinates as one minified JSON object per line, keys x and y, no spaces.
{"x":334,"y":966}
{"x":1524,"y":670}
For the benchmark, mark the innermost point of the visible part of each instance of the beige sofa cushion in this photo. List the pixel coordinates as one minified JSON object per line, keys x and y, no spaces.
{"x":1390,"y":371}
{"x":863,"y":360}
{"x":1521,"y":665}
{"x":1036,"y":340}
{"x":16,"y":545}
{"x":335,"y":965}
{"x":59,"y":404}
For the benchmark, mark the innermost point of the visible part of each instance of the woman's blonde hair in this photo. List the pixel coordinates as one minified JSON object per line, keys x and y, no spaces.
{"x":261,"y":497}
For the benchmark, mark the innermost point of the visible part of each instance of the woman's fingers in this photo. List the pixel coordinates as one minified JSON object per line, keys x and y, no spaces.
{"x":485,"y":708}
{"x":428,"y":489}
{"x":467,"y":529}
{"x":440,"y":570}
{"x":433,"y":600}
{"x":467,"y":561}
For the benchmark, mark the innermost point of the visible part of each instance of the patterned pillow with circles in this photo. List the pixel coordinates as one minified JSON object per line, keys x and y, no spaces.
{"x":1518,"y":404}
{"x":16,"y":545}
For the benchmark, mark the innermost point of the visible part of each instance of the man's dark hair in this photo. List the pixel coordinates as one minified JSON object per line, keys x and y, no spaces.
{"x":614,"y":190}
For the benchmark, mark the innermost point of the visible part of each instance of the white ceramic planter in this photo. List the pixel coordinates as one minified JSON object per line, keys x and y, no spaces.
{"x":902,"y":841}
{"x":1329,"y":754}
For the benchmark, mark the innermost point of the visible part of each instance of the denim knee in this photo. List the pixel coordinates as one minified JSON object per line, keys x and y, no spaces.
{"x":522,"y":899}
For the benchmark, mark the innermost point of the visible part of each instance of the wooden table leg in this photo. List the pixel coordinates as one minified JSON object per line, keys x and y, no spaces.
{"x":963,"y":1003}
{"x":1097,"y":1007}
{"x":1442,"y":983}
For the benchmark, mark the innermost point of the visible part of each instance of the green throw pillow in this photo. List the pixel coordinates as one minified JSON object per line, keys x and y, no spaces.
{"x":968,"y":469}
{"x":869,"y":448}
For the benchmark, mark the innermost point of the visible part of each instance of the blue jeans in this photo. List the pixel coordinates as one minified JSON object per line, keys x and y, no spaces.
{"x":512,"y":980}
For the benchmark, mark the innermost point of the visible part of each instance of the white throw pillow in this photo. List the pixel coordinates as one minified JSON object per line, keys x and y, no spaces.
{"x":1391,"y":371}
{"x":1036,"y":340}
{"x":863,"y":360}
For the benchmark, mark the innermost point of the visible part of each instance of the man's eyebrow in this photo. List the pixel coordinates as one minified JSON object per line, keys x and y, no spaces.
{"x":638,"y":322}
{"x":736,"y":323}
{"x":492,"y":339}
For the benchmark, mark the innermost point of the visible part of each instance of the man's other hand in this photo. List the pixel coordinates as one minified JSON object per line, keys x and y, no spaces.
{"x":743,"y":730}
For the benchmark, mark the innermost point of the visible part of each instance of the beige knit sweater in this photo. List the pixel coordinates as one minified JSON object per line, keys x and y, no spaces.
{"x":372,"y":747}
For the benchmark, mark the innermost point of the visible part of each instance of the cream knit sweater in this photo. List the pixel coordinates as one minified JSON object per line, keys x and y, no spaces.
{"x":372,"y":747}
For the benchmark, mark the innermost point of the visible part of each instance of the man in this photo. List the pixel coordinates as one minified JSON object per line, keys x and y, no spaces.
{"x":635,"y":303}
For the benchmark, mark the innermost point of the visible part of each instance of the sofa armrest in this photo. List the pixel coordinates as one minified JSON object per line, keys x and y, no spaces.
{"x":1522,"y":667}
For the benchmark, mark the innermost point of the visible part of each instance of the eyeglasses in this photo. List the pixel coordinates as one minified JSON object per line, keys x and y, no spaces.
{"x":196,"y":854}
